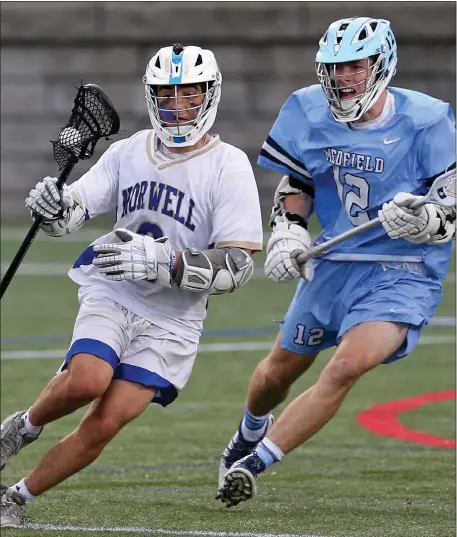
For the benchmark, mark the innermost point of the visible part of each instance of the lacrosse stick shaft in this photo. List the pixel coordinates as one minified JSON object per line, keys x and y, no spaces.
{"x":26,"y":243}
{"x":318,"y":250}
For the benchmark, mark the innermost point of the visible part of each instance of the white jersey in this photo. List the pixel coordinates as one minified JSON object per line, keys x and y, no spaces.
{"x":204,"y":199}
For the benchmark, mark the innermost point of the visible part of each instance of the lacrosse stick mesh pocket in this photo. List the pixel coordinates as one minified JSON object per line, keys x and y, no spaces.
{"x":93,"y":117}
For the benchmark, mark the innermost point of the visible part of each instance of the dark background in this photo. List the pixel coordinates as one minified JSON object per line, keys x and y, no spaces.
{"x":265,"y":50}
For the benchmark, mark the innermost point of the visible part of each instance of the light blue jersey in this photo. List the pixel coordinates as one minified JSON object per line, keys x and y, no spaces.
{"x":351,"y":173}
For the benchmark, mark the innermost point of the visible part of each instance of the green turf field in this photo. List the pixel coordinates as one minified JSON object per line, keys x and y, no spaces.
{"x":161,"y":472}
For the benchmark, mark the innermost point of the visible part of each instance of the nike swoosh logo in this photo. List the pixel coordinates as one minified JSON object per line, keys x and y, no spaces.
{"x":397,"y":311}
{"x":387,"y":142}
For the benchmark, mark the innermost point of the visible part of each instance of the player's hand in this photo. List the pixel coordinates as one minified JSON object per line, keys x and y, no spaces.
{"x":137,"y":257}
{"x":400,"y":220}
{"x":46,"y":200}
{"x":286,"y":243}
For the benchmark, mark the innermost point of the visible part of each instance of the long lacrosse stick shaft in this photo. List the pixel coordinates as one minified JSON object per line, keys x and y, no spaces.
{"x":26,"y":243}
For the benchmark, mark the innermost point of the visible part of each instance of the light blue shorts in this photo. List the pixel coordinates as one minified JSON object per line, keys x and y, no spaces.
{"x":345,"y":294}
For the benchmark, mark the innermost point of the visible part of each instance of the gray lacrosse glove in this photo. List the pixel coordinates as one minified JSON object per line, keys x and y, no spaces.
{"x":138,"y":257}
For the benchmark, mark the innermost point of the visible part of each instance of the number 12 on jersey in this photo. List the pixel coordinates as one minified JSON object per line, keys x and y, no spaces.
{"x":354,"y":199}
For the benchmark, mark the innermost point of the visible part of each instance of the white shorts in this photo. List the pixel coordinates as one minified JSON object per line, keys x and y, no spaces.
{"x":137,"y":350}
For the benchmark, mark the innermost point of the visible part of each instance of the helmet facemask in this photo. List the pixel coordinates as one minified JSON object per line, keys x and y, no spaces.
{"x":366,"y":90}
{"x":348,"y":42}
{"x":181,"y":114}
{"x":181,"y":117}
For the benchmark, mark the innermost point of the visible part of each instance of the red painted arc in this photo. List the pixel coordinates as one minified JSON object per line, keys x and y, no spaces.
{"x":383,"y":420}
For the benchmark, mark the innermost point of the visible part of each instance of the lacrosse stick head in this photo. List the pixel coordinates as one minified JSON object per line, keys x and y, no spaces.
{"x":93,"y":117}
{"x":442,"y":191}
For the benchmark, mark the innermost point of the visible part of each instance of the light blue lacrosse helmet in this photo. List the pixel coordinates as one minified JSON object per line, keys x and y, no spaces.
{"x":348,"y":40}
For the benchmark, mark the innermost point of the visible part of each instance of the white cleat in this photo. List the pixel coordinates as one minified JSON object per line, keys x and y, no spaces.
{"x":13,"y":437}
{"x":11,"y":508}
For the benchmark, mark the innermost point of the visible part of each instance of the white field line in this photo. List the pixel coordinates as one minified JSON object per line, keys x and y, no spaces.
{"x":128,"y":529}
{"x":61,"y":269}
{"x":84,"y":236}
{"x":204,"y":347}
{"x":39,"y":269}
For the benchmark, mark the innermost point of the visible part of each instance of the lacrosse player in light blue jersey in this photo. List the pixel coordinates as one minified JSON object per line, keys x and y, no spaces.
{"x":352,"y":149}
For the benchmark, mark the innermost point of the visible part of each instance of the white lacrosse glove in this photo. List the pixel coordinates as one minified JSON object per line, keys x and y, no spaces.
{"x":287,"y":241}
{"x":415,"y":225}
{"x":46,"y":200}
{"x":62,"y":211}
{"x":138,"y":257}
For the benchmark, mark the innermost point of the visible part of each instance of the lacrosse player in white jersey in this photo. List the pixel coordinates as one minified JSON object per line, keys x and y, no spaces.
{"x":188,"y":220}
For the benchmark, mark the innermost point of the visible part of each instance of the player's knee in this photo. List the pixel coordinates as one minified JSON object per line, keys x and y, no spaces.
{"x":343,"y":370}
{"x":78,"y":390}
{"x":107,"y":429}
{"x":99,"y":429}
{"x":89,"y":377}
{"x":270,"y":379}
{"x":281,"y":368}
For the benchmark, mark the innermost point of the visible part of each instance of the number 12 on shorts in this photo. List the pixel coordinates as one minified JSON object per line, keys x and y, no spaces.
{"x":315,"y":336}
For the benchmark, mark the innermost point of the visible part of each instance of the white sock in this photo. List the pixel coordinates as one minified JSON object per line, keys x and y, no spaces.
{"x":268,"y":452}
{"x":32,"y":429}
{"x":252,"y":435}
{"x":22,"y":489}
{"x":275,"y":450}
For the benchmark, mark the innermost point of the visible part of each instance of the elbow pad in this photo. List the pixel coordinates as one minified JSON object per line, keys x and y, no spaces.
{"x":287,"y":186}
{"x":215,"y":272}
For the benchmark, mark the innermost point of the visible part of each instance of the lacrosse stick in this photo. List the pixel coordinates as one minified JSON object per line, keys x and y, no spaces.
{"x":93,"y":117}
{"x":442,"y":192}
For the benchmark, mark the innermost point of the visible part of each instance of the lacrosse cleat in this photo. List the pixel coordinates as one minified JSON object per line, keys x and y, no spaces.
{"x":239,"y":484}
{"x":239,"y":448}
{"x":11,"y":507}
{"x":14,"y":437}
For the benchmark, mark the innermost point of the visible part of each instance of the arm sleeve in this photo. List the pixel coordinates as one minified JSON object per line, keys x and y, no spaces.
{"x":237,"y":219}
{"x":279,"y":151}
{"x":98,"y":188}
{"x":437,"y":152}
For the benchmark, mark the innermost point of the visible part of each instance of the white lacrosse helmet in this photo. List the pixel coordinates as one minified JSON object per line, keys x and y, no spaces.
{"x":175,"y":66}
{"x":348,"y":40}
